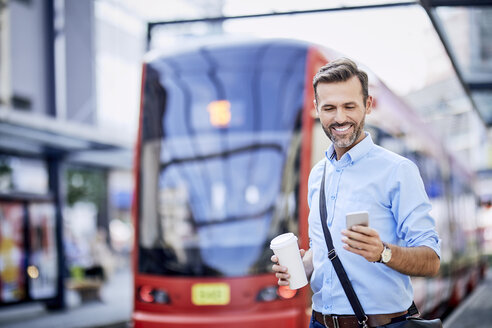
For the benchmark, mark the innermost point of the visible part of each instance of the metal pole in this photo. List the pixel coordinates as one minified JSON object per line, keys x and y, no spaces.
{"x":50,"y":58}
{"x":54,"y":179}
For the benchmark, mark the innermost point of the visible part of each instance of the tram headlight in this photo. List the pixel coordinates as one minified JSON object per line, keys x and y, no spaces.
{"x":267,"y":294}
{"x":149,"y":294}
{"x":285,"y":292}
{"x":161,"y":296}
{"x":271,"y":293}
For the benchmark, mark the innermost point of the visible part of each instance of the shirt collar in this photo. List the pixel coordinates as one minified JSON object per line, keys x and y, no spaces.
{"x":354,"y":154}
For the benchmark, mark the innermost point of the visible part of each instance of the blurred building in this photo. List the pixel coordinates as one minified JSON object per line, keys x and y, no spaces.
{"x":58,"y":154}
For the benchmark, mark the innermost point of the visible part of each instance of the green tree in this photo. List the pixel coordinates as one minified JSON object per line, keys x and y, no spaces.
{"x":85,"y":185}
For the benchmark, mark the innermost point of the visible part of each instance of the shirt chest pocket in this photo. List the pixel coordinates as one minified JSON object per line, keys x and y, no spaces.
{"x":366,"y":198}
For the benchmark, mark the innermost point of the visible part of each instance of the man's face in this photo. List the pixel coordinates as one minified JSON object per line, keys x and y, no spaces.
{"x":341,"y":110}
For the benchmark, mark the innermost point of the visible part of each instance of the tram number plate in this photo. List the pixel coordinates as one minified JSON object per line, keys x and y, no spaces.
{"x":210,"y":294}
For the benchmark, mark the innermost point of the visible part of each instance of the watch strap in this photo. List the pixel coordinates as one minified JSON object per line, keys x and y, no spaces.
{"x":384,"y":248}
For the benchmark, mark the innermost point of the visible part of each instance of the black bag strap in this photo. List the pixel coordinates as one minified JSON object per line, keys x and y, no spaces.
{"x":413,"y":311}
{"x":335,"y":260}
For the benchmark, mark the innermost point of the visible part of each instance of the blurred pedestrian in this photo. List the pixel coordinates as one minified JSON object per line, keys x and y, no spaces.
{"x":103,"y":262}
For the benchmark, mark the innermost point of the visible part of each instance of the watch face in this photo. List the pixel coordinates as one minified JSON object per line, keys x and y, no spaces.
{"x":386,"y":256}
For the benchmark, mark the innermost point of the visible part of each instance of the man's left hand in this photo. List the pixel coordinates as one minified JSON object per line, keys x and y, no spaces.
{"x":363,"y":241}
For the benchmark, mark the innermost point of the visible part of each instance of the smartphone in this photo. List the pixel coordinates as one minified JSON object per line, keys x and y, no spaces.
{"x":357,"y":218}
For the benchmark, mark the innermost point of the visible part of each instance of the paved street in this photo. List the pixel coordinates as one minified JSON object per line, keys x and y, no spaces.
{"x":476,"y":311}
{"x":114,"y":309}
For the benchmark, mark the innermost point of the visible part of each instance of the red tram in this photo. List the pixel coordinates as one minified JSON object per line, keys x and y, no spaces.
{"x":226,"y":141}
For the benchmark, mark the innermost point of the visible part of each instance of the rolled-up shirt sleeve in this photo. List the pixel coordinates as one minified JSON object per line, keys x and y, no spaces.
{"x":411,"y":208}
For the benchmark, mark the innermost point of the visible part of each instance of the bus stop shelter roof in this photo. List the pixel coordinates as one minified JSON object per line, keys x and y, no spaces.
{"x":27,"y":134}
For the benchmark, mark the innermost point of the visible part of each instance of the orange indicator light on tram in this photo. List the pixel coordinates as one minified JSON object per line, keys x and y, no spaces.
{"x":220,"y":113}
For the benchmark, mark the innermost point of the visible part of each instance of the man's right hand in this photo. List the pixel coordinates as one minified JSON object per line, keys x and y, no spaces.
{"x":281,"y":271}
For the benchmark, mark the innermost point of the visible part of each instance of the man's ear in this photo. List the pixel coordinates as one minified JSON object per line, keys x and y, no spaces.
{"x":369,"y":103}
{"x":315,"y":107}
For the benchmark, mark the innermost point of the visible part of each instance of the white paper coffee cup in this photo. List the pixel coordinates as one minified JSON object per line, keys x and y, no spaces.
{"x":286,"y":248}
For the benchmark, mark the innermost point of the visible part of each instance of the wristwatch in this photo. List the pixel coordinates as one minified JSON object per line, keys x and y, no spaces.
{"x":385,"y":254}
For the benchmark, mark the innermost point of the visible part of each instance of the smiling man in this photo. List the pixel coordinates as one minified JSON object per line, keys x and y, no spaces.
{"x":400,"y":241}
{"x":342,"y":107}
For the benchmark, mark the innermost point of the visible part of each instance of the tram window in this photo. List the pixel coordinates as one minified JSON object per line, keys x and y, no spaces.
{"x":215,"y":190}
{"x":211,"y":208}
{"x":431,"y":175}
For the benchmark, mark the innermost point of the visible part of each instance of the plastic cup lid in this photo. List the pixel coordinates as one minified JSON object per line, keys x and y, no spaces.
{"x":283,"y":240}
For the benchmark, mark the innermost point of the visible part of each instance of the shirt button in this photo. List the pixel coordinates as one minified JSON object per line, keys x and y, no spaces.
{"x":338,"y":170}
{"x":332,"y":197}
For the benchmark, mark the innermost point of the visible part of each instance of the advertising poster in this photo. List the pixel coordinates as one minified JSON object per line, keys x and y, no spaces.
{"x":12,"y":255}
{"x":42,"y":264}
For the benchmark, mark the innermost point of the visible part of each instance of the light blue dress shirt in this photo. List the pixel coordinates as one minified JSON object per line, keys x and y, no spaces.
{"x":388,"y":186}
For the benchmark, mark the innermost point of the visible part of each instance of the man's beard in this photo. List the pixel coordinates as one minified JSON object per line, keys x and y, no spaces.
{"x":346,"y":141}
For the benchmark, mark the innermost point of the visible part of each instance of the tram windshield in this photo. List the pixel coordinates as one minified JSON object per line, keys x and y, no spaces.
{"x":219,"y":178}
